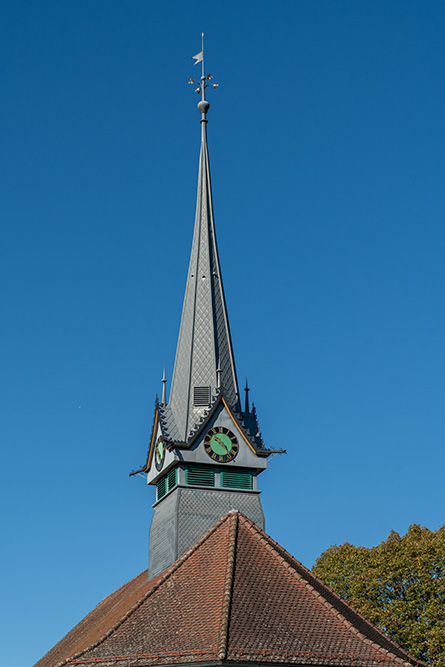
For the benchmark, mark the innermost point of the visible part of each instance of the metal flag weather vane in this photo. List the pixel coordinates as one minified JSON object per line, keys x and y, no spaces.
{"x":199,"y":58}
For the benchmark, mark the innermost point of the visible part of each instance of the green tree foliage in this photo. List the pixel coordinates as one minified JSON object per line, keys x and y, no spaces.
{"x":399,"y":586}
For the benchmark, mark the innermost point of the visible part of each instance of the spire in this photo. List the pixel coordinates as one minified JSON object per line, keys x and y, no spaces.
{"x":204,"y":363}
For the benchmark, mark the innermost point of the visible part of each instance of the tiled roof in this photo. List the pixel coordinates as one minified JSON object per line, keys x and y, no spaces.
{"x":235,"y":596}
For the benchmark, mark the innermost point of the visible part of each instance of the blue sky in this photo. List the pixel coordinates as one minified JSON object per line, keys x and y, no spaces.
{"x":326,"y":140}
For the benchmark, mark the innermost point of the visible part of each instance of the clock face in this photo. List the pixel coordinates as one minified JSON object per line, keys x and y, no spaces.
{"x":159,"y":453}
{"x":221,"y":444}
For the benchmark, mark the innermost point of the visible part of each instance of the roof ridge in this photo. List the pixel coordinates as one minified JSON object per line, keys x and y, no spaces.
{"x":274,"y":548}
{"x":107,"y":599}
{"x":338,"y":612}
{"x":162,"y":578}
{"x":228,"y":587}
{"x":200,"y":425}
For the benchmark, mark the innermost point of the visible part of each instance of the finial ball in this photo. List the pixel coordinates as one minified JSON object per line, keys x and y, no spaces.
{"x":203,"y":106}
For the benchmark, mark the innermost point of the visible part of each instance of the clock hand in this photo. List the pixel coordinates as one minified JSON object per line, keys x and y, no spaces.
{"x":221,"y":443}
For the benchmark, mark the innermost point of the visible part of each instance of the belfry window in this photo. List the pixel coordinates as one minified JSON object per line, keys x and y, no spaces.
{"x":166,"y":483}
{"x":171,"y":478}
{"x":161,"y":487}
{"x":236,"y":479}
{"x":199,"y":475}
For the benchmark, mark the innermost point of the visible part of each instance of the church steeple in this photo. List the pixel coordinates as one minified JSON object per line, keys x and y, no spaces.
{"x":205,"y":453}
{"x":204,"y":364}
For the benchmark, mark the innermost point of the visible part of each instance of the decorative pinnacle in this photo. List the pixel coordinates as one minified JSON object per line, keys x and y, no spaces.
{"x":164,"y":393}
{"x":203,"y":105}
{"x":246,"y":407}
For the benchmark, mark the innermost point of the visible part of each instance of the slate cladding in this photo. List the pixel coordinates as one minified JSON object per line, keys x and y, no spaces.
{"x":247,"y":421}
{"x":234,"y":596}
{"x":204,"y":342}
{"x":186,"y":514}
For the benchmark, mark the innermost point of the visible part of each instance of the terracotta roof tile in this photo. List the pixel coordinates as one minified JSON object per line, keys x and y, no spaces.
{"x":236,"y":595}
{"x":98,"y":621}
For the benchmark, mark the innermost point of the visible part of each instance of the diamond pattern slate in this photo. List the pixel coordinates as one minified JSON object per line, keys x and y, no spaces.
{"x":204,"y":336}
{"x":201,"y":508}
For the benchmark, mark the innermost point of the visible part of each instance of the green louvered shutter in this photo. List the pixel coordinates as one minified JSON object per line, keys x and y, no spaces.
{"x":200,"y":476}
{"x":161,"y":487}
{"x":171,"y":478}
{"x":236,"y":479}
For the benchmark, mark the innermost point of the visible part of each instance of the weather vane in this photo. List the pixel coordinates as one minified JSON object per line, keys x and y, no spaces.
{"x":204,"y":83}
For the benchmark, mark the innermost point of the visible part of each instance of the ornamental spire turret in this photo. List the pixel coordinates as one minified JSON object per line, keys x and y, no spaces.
{"x":246,"y":404}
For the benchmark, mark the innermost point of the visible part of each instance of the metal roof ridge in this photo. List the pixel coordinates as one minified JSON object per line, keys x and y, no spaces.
{"x":146,"y":466}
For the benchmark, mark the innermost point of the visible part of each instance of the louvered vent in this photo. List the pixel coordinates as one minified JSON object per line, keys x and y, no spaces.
{"x":199,"y":476}
{"x":171,"y":478}
{"x":161,"y":487}
{"x":236,"y":479}
{"x":166,"y":483}
{"x":201,"y":396}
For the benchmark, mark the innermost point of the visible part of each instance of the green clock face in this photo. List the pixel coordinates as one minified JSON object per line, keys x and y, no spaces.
{"x":159,"y":454}
{"x":221,"y":444}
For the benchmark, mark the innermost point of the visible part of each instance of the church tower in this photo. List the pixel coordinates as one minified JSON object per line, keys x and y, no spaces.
{"x":205,"y":451}
{"x":219,"y":590}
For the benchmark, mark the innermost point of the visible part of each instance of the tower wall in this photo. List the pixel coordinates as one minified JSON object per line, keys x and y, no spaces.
{"x":186,"y":514}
